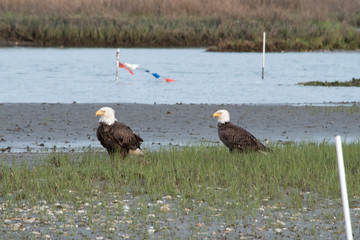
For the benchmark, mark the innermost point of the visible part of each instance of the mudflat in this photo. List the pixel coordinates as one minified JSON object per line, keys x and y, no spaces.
{"x":29,"y":131}
{"x":42,"y":126}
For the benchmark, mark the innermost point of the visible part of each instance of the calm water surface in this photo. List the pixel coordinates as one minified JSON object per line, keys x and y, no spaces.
{"x":87,"y":75}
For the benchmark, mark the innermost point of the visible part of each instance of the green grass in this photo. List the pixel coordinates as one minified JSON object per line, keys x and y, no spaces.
{"x":353,"y":83}
{"x":200,"y":173}
{"x":206,"y":191}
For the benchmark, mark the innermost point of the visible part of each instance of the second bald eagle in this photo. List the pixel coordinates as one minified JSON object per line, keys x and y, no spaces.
{"x":235,"y":137}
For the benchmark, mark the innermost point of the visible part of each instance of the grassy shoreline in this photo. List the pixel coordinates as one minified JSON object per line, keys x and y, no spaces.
{"x":191,"y":191}
{"x":196,"y":172}
{"x":295,"y":26}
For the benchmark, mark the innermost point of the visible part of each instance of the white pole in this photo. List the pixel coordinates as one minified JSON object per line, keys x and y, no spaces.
{"x":344,"y":194}
{"x":263,"y":62}
{"x":117,"y":65}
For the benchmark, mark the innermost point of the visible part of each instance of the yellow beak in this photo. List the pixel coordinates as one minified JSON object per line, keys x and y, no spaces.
{"x":99,"y":113}
{"x":216,"y":114}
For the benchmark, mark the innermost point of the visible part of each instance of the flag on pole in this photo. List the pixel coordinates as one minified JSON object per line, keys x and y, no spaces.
{"x":124,"y":66}
{"x":132,"y":67}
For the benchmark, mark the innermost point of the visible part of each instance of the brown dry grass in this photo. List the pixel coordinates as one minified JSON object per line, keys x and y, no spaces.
{"x":344,"y":10}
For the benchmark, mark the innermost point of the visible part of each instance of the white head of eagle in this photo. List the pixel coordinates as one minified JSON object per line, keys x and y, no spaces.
{"x":222,"y":115}
{"x":107,"y":115}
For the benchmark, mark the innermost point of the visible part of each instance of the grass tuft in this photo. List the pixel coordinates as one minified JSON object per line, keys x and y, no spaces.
{"x":353,"y":83}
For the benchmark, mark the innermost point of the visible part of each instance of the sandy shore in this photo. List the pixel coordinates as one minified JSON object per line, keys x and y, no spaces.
{"x":40,"y":127}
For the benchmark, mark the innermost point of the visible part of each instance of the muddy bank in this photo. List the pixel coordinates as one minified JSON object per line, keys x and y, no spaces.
{"x":42,"y":127}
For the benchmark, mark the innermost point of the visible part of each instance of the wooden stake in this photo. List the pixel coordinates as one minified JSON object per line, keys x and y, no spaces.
{"x":117,"y":65}
{"x":263,"y":62}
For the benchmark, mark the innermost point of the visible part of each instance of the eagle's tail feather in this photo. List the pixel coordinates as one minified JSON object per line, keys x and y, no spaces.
{"x":137,"y":152}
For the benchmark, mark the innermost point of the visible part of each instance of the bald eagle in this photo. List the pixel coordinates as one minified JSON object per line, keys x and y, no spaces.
{"x":115,"y":136}
{"x":235,"y":137}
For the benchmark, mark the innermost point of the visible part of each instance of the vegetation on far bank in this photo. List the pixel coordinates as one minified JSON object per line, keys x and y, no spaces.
{"x":353,"y":83}
{"x":222,"y":26}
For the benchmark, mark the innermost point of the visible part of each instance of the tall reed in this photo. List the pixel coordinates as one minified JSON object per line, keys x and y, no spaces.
{"x":255,"y":9}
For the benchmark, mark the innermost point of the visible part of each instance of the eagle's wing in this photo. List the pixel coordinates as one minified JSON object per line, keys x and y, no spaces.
{"x":125,"y":137}
{"x":236,"y":137}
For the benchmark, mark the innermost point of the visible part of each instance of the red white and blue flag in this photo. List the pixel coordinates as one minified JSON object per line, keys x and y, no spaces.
{"x":132,"y":67}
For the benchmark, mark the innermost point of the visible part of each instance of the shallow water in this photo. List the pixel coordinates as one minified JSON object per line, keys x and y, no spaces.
{"x":87,"y":75}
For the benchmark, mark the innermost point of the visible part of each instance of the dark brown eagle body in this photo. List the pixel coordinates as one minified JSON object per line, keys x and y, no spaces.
{"x":235,"y":137}
{"x":118,"y":138}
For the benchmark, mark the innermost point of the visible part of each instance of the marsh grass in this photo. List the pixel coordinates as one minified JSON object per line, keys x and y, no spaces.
{"x":180,"y":192}
{"x":180,"y":31}
{"x":223,"y":26}
{"x":202,"y":173}
{"x":352,"y":83}
{"x":282,"y":9}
